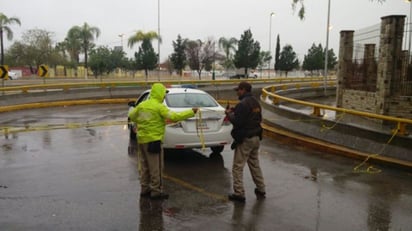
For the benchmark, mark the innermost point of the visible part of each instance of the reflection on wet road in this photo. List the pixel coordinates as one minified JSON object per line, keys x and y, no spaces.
{"x":82,"y":178}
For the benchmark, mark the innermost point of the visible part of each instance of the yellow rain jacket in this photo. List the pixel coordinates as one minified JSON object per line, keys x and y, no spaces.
{"x":150,"y":115}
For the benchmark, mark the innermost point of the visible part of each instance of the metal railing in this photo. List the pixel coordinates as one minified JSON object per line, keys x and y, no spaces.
{"x":269,"y":92}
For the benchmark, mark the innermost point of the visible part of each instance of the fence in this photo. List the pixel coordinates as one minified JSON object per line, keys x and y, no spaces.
{"x":362,"y":72}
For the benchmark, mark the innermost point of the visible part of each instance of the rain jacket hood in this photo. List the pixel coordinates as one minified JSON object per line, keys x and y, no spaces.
{"x":158,"y":92}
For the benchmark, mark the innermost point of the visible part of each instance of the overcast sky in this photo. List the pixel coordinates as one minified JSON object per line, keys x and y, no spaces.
{"x":201,"y":19}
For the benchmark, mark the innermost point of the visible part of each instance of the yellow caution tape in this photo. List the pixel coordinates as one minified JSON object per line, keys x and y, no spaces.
{"x":199,"y":127}
{"x":372,"y":169}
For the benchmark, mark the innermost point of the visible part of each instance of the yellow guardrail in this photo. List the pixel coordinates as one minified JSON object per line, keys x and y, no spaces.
{"x":62,"y":103}
{"x":270,"y":91}
{"x":114,"y":84}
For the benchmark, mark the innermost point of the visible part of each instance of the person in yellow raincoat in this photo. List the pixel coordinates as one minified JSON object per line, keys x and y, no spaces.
{"x":150,"y":117}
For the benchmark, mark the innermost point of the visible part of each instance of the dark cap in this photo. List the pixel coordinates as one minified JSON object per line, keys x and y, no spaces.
{"x":244,"y":85}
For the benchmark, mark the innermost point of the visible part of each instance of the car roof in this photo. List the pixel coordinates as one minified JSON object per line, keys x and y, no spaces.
{"x":181,"y":90}
{"x":184,"y":90}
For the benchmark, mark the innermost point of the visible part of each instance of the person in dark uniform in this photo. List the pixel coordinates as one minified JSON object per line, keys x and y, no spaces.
{"x":247,"y":133}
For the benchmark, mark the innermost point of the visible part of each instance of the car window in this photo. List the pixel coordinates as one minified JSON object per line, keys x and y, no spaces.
{"x":142,"y":98}
{"x":190,"y":100}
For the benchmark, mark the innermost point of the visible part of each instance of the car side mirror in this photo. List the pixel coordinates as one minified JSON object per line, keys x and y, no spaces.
{"x":131,"y":104}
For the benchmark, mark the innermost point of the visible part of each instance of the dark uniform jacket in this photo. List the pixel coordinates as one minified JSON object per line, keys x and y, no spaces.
{"x":246,"y":118}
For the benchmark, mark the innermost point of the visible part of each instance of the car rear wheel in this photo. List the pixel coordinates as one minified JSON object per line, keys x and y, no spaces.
{"x":217,"y":149}
{"x":132,"y":135}
{"x":132,"y":148}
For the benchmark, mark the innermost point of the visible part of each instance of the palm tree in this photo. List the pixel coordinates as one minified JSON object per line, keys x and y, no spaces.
{"x":86,"y":35}
{"x":61,"y":48}
{"x":146,"y":38}
{"x":4,"y":27}
{"x":228,"y":45}
{"x":73,"y":46}
{"x":140,"y":36}
{"x":302,"y":9}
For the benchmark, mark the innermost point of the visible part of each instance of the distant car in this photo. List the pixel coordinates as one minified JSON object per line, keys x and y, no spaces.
{"x":212,"y":128}
{"x":253,"y":75}
{"x":237,"y":76}
{"x":12,"y":75}
{"x":228,"y":74}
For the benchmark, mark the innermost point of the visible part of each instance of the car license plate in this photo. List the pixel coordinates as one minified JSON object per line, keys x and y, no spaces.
{"x":201,"y":125}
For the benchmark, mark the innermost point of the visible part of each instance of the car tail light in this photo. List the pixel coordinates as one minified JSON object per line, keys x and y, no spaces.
{"x":226,"y":121}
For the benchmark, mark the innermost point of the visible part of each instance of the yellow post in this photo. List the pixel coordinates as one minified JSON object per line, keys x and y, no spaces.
{"x":316,"y":111}
{"x":402,"y":129}
{"x":275,"y":101}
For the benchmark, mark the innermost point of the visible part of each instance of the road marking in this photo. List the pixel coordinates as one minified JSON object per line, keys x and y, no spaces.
{"x":195,"y":188}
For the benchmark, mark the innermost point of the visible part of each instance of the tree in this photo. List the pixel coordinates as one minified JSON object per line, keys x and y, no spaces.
{"x":61,"y":48}
{"x":168,"y":64}
{"x":144,"y":57}
{"x":247,"y":54}
{"x":104,"y":60}
{"x":277,"y":54}
{"x":302,"y":11}
{"x":16,"y":54}
{"x":208,"y":54}
{"x":264,"y":58}
{"x":200,"y":55}
{"x":140,"y":36}
{"x":4,"y":28}
{"x":288,"y":60}
{"x":314,"y":59}
{"x":193,"y":48}
{"x":72,"y":44}
{"x":332,"y":59}
{"x":228,"y":45}
{"x":178,"y":57}
{"x":99,"y":61}
{"x":35,"y":48}
{"x":84,"y":36}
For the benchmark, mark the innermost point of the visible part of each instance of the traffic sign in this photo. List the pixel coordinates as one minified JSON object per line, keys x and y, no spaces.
{"x":4,"y":72}
{"x":43,"y":71}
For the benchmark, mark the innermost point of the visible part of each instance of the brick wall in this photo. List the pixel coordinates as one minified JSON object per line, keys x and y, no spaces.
{"x":359,"y":100}
{"x":400,"y":107}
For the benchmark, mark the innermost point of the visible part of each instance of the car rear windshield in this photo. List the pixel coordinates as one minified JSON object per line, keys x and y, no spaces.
{"x":190,"y":100}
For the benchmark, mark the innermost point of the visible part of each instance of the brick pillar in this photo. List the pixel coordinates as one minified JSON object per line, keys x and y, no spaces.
{"x":344,"y":63}
{"x":370,"y":67}
{"x":389,"y":67}
{"x":404,"y":71}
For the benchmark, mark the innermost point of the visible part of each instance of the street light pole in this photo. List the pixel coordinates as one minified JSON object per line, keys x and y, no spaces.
{"x":410,"y":28}
{"x":270,"y":40}
{"x":158,"y":39}
{"x":121,"y":40}
{"x":214,"y":58}
{"x":326,"y":50}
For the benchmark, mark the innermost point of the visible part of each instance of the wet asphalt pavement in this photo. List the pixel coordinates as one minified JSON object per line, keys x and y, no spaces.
{"x":70,"y":170}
